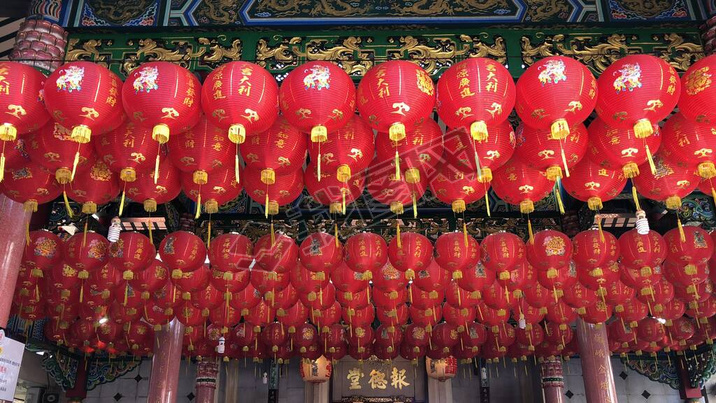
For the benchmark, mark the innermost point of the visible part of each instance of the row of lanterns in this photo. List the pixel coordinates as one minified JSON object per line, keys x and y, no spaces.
{"x":208,"y":130}
{"x":454,"y":298}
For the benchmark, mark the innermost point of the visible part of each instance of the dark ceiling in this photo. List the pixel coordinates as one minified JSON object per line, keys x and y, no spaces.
{"x":14,"y":8}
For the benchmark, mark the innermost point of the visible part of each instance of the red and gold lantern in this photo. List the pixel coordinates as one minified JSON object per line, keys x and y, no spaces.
{"x":94,"y":187}
{"x":31,"y":185}
{"x":518,"y":184}
{"x":697,"y":93}
{"x":620,"y":148}
{"x":594,"y":184}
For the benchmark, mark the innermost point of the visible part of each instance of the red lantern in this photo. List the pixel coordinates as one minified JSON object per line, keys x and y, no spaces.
{"x":53,"y":148}
{"x":359,"y":317}
{"x":283,"y":191}
{"x":642,"y":250}
{"x":457,"y":253}
{"x":502,"y":250}
{"x":518,"y":184}
{"x":475,"y":279}
{"x":152,"y":192}
{"x":15,"y":154}
{"x":305,"y":281}
{"x":689,"y":144}
{"x":395,"y":96}
{"x":320,"y":251}
{"x":132,"y":253}
{"x":637,"y":91}
{"x":476,"y":93}
{"x":670,"y":183}
{"x":460,"y":298}
{"x":276,"y":254}
{"x":484,"y":157}
{"x":194,"y":281}
{"x":425,"y":299}
{"x":150,"y":279}
{"x":550,"y":252}
{"x":395,"y":316}
{"x":44,"y":251}
{"x":410,"y":251}
{"x":425,"y":317}
{"x":593,"y":184}
{"x":265,"y":281}
{"x":200,"y":150}
{"x":94,"y":187}
{"x":86,"y":252}
{"x":456,"y":188}
{"x":620,"y":148}
{"x":692,"y":246}
{"x":278,"y":151}
{"x":418,"y":153}
{"x":434,"y":277}
{"x":220,"y":188}
{"x":633,"y":312}
{"x":25,"y":112}
{"x":240,"y":97}
{"x":127,"y":150}
{"x":31,"y":185}
{"x":592,"y":249}
{"x":366,"y":251}
{"x":84,"y":97}
{"x":346,"y":151}
{"x":231,"y":252}
{"x":556,"y":157}
{"x":246,"y":299}
{"x":696,"y":92}
{"x":317,"y":97}
{"x":347,"y":280}
{"x":182,"y":251}
{"x":387,"y":188}
{"x":162,"y":96}
{"x":556,"y":93}
{"x":330,"y":191}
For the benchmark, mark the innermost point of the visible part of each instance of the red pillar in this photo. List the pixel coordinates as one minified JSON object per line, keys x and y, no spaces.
{"x":13,"y":221}
{"x":552,"y":380}
{"x":596,"y":364}
{"x":79,"y":391}
{"x":206,"y":373}
{"x":164,"y":380}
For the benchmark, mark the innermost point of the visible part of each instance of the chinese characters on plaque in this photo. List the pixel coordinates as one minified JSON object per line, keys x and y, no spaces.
{"x":377,"y":379}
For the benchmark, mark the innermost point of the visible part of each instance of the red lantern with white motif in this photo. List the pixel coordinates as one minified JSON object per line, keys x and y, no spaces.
{"x":556,"y":93}
{"x":320,"y":251}
{"x":637,"y":91}
{"x":84,"y":97}
{"x":182,"y":251}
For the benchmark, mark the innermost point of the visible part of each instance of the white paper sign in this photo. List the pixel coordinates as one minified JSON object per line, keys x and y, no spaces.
{"x":10,"y":360}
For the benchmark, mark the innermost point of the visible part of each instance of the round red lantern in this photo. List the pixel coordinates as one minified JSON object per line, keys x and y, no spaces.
{"x":131,"y":253}
{"x":697,"y":92}
{"x":84,"y":96}
{"x":366,"y":251}
{"x":231,"y":252}
{"x":550,"y":251}
{"x":593,"y":184}
{"x":434,"y":277}
{"x":330,"y":191}
{"x":518,"y":184}
{"x":418,"y":153}
{"x":278,"y":151}
{"x":44,"y":251}
{"x":457,"y":188}
{"x":388,"y":188}
{"x":689,"y":143}
{"x":476,"y":93}
{"x":182,"y":251}
{"x":620,"y":148}
{"x":483,"y":157}
{"x":592,"y":249}
{"x":31,"y":185}
{"x":162,"y":96}
{"x":502,"y":250}
{"x":219,"y":189}
{"x":320,"y":251}
{"x":456,"y":252}
{"x":691,"y":245}
{"x":395,"y":96}
{"x":283,"y":191}
{"x":556,"y":93}
{"x":154,"y":188}
{"x":276,"y":253}
{"x":240,"y":97}
{"x":94,"y":187}
{"x":305,"y":281}
{"x":127,"y":150}
{"x":556,"y":157}
{"x":346,"y":151}
{"x":86,"y":252}
{"x":670,"y":182}
{"x":637,"y":91}
{"x":53,"y":148}
{"x":410,"y":251}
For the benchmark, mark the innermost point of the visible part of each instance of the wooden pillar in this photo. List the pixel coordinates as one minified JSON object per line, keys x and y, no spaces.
{"x":552,"y":380}
{"x":596,"y":363}
{"x":206,"y":374}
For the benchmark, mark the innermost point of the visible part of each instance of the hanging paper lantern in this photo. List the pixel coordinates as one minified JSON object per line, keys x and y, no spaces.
{"x":182,"y":251}
{"x":127,"y":150}
{"x":53,"y":148}
{"x":305,"y":281}
{"x":153,"y":190}
{"x":456,"y":188}
{"x":320,"y":251}
{"x":656,"y":296}
{"x":579,"y":297}
{"x":131,"y":253}
{"x":556,"y":93}
{"x":330,"y":191}
{"x":15,"y":154}
{"x":476,"y":93}
{"x":670,"y":182}
{"x":23,"y":87}
{"x":460,"y":297}
{"x":619,"y":148}
{"x":418,"y":153}
{"x":150,"y":279}
{"x":359,"y":317}
{"x":425,"y":317}
{"x":219,"y":189}
{"x":696,"y":91}
{"x":86,"y":252}
{"x":278,"y":151}
{"x":195,"y":281}
{"x":201,"y":149}
{"x":593,"y":184}
{"x":231,"y":252}
{"x":316,"y":371}
{"x":690,"y":144}
{"x":385,"y":187}
{"x":279,"y":254}
{"x":162,"y":96}
{"x":695,"y":246}
{"x":412,"y":252}
{"x":246,"y":299}
{"x":642,"y":250}
{"x":556,"y":157}
{"x":425,"y":299}
{"x":44,"y":250}
{"x":347,"y":280}
{"x":94,"y":187}
{"x":456,"y":253}
{"x":618,"y":294}
{"x":240,"y":97}
{"x":395,"y":316}
{"x":395,"y":96}
{"x":484,"y":157}
{"x":434,"y":277}
{"x":637,"y":91}
{"x":283,"y":191}
{"x":31,"y":185}
{"x":502,"y":250}
{"x":84,"y":97}
{"x":366,"y":251}
{"x":518,"y":184}
{"x":317,"y":97}
{"x":592,"y":249}
{"x":346,"y":151}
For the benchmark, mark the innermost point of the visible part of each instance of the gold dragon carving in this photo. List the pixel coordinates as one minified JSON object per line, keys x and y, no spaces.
{"x":88,"y":51}
{"x":151,"y":50}
{"x":218,"y":53}
{"x":675,"y":50}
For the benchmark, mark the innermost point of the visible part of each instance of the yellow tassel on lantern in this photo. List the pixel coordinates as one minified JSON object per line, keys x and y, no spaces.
{"x":67,"y":204}
{"x":635,"y":196}
{"x":335,"y":234}
{"x":156,"y":169}
{"x":415,"y":205}
{"x":599,"y":225}
{"x":464,"y":233}
{"x":682,"y":235}
{"x":398,"y":241}
{"x":487,"y":204}
{"x":650,"y":158}
{"x":151,"y":237}
{"x":236,"y":168}
{"x":2,"y":164}
{"x":396,"y":132}
{"x":198,"y":207}
{"x":273,"y":235}
{"x":564,"y":160}
{"x":121,"y":200}
{"x":558,"y":195}
{"x":529,"y":231}
{"x":479,"y":167}
{"x":75,"y":162}
{"x":208,"y":234}
{"x":343,"y":202}
{"x":397,"y":166}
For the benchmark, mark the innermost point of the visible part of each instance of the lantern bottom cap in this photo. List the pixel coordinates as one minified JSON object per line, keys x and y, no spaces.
{"x":237,"y":133}
{"x":8,"y":132}
{"x":643,"y":128}
{"x":81,"y":134}
{"x":160,"y":133}
{"x":707,"y":169}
